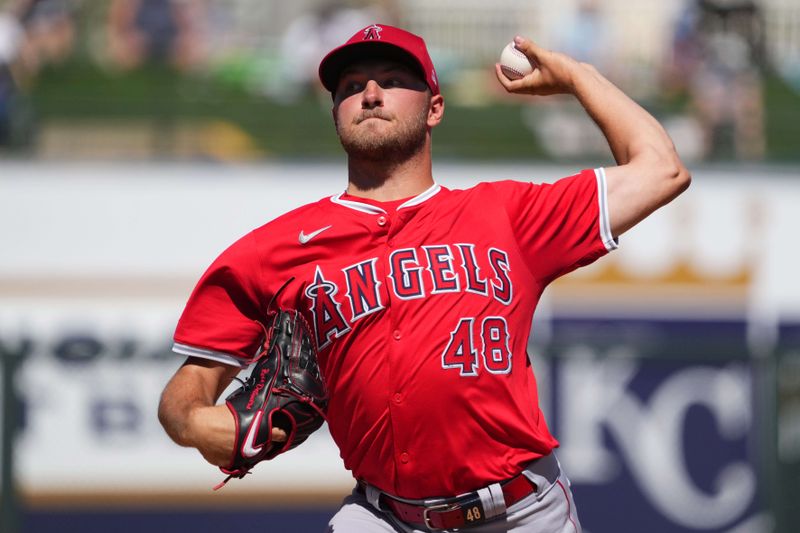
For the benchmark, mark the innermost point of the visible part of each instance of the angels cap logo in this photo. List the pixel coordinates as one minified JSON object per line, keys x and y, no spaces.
{"x":372,"y":33}
{"x":393,"y":41}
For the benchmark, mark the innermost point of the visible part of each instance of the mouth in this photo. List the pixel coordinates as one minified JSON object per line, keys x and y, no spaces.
{"x":367,"y":116}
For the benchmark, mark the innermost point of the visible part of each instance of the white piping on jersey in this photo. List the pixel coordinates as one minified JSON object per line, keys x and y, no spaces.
{"x":358,"y":206}
{"x":213,"y":355}
{"x":430,"y":193}
{"x":602,"y":198}
{"x":375,"y":210}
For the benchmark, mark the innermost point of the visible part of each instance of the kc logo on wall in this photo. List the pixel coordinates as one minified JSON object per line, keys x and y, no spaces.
{"x":658,"y":444}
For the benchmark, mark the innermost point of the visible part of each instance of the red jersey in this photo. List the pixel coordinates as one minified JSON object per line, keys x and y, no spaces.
{"x":422,"y":316}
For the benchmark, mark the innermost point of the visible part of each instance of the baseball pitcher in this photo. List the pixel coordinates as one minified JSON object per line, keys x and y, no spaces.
{"x":399,"y":310}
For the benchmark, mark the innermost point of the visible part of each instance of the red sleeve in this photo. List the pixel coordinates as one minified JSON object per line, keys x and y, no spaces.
{"x":561,"y":226}
{"x":222,"y":319}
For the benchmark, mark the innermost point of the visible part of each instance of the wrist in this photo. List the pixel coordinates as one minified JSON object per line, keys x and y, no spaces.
{"x":580,"y":74}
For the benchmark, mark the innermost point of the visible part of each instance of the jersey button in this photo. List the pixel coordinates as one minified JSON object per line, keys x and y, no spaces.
{"x":382,"y":220}
{"x":404,"y":458}
{"x":397,"y":398}
{"x":397,"y":336}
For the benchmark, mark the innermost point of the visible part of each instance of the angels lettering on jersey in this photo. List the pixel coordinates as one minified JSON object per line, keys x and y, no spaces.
{"x":412,"y":273}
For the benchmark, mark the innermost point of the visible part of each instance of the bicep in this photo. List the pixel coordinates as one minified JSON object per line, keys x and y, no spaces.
{"x":200,"y":380}
{"x":634,"y":191}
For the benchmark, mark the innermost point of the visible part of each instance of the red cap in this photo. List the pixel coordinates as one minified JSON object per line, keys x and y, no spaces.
{"x":382,"y":41}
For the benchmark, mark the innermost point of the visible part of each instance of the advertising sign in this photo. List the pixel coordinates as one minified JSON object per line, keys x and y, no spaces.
{"x":657,"y":440}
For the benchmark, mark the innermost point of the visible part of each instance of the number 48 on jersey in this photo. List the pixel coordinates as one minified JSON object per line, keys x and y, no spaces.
{"x":490,"y":350}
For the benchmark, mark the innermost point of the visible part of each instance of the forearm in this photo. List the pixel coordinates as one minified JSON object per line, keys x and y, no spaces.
{"x":188,"y":413}
{"x":649,"y":172}
{"x":178,"y":413}
{"x":632,"y":133}
{"x":211,"y":430}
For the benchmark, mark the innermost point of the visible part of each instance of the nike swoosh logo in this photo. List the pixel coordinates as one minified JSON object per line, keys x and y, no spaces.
{"x":249,"y":449}
{"x":304,"y":237}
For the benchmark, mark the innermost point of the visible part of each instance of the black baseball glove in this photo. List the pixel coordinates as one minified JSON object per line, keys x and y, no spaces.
{"x":284,"y":390}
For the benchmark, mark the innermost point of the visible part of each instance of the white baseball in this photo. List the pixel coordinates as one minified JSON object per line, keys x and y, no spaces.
{"x":514,"y":63}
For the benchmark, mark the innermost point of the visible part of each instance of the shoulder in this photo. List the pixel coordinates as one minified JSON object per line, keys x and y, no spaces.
{"x":496,"y":191}
{"x":516,"y":194}
{"x":488,"y":194}
{"x":304,"y":215}
{"x":586,"y":177}
{"x":492,"y":187}
{"x":283,"y":227}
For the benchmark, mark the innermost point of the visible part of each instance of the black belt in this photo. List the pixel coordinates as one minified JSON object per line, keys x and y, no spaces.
{"x":453,"y":513}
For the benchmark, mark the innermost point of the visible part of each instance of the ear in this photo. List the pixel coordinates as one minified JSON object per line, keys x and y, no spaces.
{"x":435,"y":110}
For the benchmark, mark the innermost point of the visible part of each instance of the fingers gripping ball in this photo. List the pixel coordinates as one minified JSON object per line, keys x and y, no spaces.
{"x":284,"y":390}
{"x":514,"y":63}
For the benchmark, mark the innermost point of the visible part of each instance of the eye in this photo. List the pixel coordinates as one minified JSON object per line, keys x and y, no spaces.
{"x":352,"y":86}
{"x":349,"y":85}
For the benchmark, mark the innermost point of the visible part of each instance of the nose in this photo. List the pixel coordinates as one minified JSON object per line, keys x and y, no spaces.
{"x":372,"y":96}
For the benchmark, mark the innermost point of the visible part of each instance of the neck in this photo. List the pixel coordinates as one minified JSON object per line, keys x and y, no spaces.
{"x":386,"y":181}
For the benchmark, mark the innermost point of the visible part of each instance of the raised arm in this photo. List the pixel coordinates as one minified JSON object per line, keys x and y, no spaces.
{"x":649,"y":173}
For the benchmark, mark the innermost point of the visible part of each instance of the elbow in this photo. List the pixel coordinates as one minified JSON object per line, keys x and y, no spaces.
{"x":668,"y":173}
{"x":163,"y":414}
{"x":678,"y":177}
{"x":174,"y":425}
{"x":673,"y":178}
{"x":167,"y":421}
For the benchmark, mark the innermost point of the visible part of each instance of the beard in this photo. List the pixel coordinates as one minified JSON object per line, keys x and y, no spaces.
{"x":403,"y":140}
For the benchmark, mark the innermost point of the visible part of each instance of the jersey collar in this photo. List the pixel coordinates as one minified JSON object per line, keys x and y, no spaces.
{"x":375,"y":210}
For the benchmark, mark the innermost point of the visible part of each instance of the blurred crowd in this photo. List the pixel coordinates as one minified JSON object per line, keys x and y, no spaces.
{"x":718,"y":59}
{"x":32,"y":33}
{"x":710,"y":80}
{"x":711,"y":75}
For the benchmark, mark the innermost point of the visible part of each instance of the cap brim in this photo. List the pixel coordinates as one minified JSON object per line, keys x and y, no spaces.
{"x":334,"y":63}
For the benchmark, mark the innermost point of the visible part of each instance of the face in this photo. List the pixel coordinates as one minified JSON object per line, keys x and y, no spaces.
{"x":382,"y":111}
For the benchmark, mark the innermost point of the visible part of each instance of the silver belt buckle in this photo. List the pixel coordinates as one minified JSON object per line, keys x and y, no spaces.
{"x":438,"y":507}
